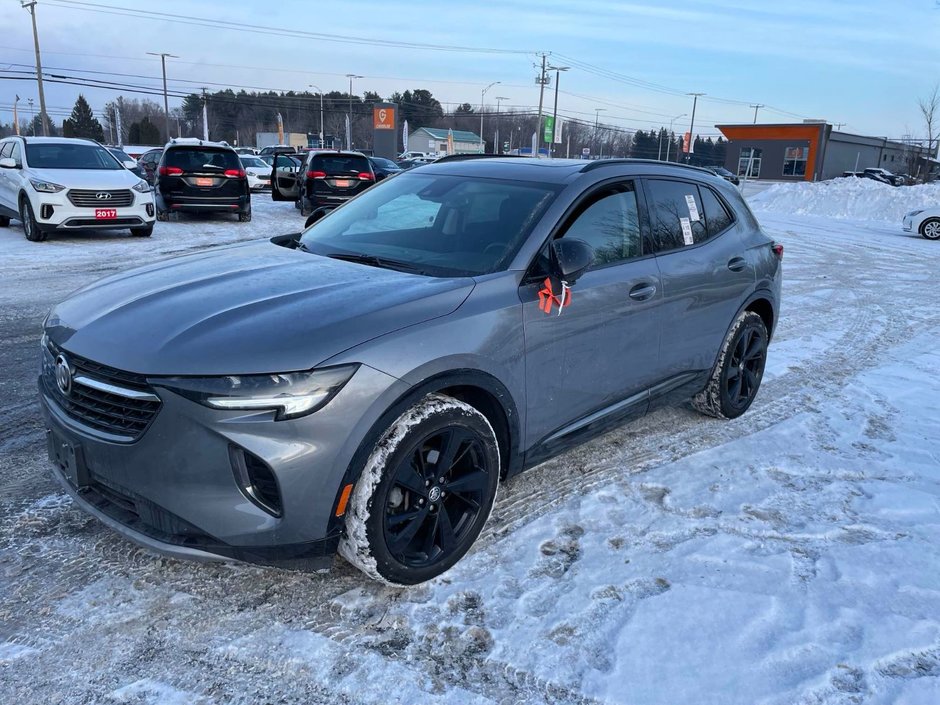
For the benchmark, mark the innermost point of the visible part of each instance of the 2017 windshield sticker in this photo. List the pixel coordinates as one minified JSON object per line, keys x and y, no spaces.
{"x":548,"y":298}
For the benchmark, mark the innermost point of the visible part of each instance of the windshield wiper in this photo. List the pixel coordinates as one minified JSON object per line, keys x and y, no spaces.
{"x":374,"y":261}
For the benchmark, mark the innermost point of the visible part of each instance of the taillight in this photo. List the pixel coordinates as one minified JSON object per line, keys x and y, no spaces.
{"x":778,"y":250}
{"x":366,"y":176}
{"x":170,"y":171}
{"x":316,"y":174}
{"x":235,"y":173}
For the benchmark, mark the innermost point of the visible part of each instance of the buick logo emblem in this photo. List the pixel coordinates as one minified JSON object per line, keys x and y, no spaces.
{"x":63,"y":375}
{"x":103,"y":196}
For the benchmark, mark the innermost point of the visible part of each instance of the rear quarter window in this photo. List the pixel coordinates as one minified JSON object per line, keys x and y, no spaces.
{"x":717,"y":217}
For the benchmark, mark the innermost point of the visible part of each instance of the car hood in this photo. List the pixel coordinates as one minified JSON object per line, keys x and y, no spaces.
{"x":243,"y":309}
{"x":87,"y":178}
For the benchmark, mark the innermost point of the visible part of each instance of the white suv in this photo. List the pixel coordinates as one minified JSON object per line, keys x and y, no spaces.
{"x":59,"y":184}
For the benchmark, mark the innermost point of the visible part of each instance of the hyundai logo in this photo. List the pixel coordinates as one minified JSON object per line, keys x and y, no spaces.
{"x":63,"y":375}
{"x":103,"y":196}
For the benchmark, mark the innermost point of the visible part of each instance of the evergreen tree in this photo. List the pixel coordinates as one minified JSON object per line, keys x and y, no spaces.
{"x":143,"y":132}
{"x":82,"y":122}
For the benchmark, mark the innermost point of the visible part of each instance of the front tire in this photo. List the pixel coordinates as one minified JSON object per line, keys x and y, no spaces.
{"x":930,"y":229}
{"x":424,"y":494}
{"x":30,"y":227}
{"x":737,"y":374}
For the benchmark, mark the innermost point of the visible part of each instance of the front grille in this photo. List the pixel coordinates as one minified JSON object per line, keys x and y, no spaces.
{"x":87,"y":198}
{"x":111,"y":407}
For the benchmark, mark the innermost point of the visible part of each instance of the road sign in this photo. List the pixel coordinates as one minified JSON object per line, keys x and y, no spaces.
{"x":586,"y":152}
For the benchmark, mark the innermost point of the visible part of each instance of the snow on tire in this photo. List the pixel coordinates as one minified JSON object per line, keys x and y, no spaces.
{"x":366,"y":543}
{"x":715,"y":400}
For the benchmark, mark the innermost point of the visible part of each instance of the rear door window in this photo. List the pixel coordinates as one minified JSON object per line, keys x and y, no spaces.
{"x":339,"y":164}
{"x":201,"y":160}
{"x":676,"y":214}
{"x":717,"y":217}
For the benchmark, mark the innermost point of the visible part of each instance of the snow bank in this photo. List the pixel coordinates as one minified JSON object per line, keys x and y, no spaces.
{"x":850,"y":198}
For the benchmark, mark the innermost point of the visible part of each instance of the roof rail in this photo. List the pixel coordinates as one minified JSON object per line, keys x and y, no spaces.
{"x":466,"y":157}
{"x":598,"y":163}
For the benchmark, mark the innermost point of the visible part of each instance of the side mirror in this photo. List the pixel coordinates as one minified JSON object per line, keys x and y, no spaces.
{"x":7,"y":163}
{"x":572,"y":257}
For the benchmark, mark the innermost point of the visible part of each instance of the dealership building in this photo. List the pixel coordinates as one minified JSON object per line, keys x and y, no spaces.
{"x":813,"y":151}
{"x":434,"y":140}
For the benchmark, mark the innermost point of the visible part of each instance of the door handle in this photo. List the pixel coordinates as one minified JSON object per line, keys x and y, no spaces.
{"x":643,"y":291}
{"x":737,"y":264}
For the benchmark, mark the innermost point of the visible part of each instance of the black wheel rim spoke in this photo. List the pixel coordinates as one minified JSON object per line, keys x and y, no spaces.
{"x":436,"y":496}
{"x":743,"y":374}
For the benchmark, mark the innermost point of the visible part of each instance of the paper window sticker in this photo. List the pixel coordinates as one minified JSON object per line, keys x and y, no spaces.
{"x":693,"y":209}
{"x":687,"y":231}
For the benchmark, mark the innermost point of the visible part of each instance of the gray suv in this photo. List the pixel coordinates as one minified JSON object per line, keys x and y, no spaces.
{"x":365,"y":385}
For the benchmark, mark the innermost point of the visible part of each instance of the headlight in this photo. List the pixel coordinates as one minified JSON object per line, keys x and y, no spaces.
{"x":141,"y":187}
{"x":912,"y":213}
{"x":45,"y":186}
{"x":251,"y":173}
{"x":292,"y":394}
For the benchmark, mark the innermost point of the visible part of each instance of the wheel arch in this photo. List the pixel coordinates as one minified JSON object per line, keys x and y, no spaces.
{"x":480,"y":389}
{"x":762,"y":306}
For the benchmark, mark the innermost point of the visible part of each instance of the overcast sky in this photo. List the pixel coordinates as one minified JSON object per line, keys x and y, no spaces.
{"x":863,"y":63}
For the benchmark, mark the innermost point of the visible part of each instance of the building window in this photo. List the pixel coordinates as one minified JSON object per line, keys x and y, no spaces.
{"x":794,"y":161}
{"x":745,"y":159}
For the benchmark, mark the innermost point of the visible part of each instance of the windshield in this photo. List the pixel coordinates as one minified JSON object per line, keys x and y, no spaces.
{"x":119,"y":154}
{"x":253,"y":162}
{"x":69,"y":155}
{"x":439,"y":225}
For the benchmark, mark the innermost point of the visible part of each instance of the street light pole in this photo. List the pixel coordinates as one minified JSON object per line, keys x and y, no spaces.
{"x":756,"y":107}
{"x":669,"y":143}
{"x":166,"y":102}
{"x":32,"y":115}
{"x":350,"y":76}
{"x":496,"y":149}
{"x":482,"y":96}
{"x":691,"y":146}
{"x":558,"y":70}
{"x":320,"y":90}
{"x":31,"y":6}
{"x":597,"y":114}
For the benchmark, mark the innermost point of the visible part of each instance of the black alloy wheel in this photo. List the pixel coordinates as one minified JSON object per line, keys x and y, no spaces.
{"x":436,"y":497}
{"x":746,"y":367}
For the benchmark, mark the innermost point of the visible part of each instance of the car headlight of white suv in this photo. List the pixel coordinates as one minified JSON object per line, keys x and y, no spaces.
{"x":913,"y":213}
{"x":142,"y":187}
{"x":46,"y":186}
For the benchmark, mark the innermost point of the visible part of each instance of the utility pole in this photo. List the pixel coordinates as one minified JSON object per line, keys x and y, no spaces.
{"x":320,"y":90}
{"x":558,"y":70}
{"x":757,"y":107}
{"x":541,"y":80}
{"x":840,"y":125}
{"x":117,"y":125}
{"x":166,"y":103}
{"x":482,"y":96}
{"x":16,"y":119}
{"x":350,"y":76}
{"x":32,"y":115}
{"x":31,"y":6}
{"x":205,"y":114}
{"x":597,"y":114}
{"x":691,"y":145}
{"x":496,"y":148}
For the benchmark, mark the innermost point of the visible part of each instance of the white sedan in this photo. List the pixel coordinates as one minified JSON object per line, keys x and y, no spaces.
{"x":926,"y":222}
{"x":258,"y":173}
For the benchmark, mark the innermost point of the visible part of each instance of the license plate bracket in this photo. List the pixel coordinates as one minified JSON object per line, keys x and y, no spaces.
{"x":68,"y":458}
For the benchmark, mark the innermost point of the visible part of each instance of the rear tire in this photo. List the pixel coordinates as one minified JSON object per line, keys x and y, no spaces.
{"x":424,"y":494}
{"x":930,"y":229}
{"x":142,"y":232}
{"x":30,"y":226}
{"x":245,"y":217}
{"x":737,"y":374}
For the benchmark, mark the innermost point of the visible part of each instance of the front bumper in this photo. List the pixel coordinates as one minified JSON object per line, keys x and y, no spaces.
{"x":907,"y":225}
{"x":174,"y":489}
{"x":54,"y":211}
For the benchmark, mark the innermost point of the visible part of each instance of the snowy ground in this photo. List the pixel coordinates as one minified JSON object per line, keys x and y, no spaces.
{"x":791,"y":556}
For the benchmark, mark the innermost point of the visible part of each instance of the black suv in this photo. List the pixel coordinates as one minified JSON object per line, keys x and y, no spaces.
{"x":326,"y":180}
{"x":205,"y":177}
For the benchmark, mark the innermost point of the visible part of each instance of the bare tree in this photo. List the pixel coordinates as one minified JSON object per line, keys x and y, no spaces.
{"x":930,"y":110}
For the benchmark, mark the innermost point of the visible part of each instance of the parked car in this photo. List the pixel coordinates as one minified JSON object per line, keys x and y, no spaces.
{"x":126,"y":161}
{"x":366,"y":385}
{"x":856,"y":174}
{"x":277,"y":149}
{"x":882,"y":175}
{"x":383,"y":168}
{"x":925,"y":221}
{"x":147,"y":163}
{"x":724,"y":174}
{"x":406,"y":164}
{"x":58,"y":184}
{"x":413,"y":155}
{"x":257,"y":171}
{"x":201,"y":177}
{"x":326,"y":180}
{"x":245,"y":151}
